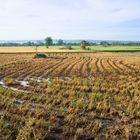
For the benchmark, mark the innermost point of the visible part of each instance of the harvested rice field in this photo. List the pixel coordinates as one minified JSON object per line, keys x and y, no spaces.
{"x":70,"y":96}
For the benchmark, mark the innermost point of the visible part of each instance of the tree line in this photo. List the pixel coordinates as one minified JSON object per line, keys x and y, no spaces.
{"x":48,"y":41}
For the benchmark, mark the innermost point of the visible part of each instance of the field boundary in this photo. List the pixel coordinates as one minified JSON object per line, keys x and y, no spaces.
{"x":112,"y":51}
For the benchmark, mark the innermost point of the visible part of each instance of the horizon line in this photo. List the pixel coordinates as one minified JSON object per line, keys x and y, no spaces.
{"x":71,"y":40}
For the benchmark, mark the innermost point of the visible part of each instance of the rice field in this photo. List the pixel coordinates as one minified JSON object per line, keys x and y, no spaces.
{"x":70,"y":96}
{"x":64,"y":49}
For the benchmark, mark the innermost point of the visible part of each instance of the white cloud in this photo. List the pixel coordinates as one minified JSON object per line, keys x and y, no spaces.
{"x":100,"y":19}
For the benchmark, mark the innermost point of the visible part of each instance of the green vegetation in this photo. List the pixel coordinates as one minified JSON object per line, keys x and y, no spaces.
{"x":69,"y":48}
{"x":48,"y":41}
{"x":104,"y":48}
{"x":60,"y":42}
{"x":39,"y":55}
{"x":83,"y":45}
{"x":116,"y":48}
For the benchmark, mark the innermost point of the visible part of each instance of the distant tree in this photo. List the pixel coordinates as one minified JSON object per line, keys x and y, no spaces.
{"x":60,"y":42}
{"x":48,"y":41}
{"x":29,"y":43}
{"x":104,"y":43}
{"x":83,"y":44}
{"x":39,"y":43}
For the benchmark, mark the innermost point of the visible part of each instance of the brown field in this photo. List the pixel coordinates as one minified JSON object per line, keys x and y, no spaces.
{"x":70,"y":96}
{"x":22,"y":66}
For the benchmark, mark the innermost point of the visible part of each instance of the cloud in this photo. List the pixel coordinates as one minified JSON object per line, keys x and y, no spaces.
{"x":86,"y":19}
{"x":117,"y":10}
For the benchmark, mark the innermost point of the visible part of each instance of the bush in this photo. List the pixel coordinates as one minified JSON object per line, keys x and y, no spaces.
{"x":40,"y":56}
{"x":83,"y":47}
{"x":69,"y":47}
{"x":88,"y":48}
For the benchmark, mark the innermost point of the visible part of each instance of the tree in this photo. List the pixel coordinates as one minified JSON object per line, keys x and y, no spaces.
{"x":29,"y":43}
{"x":60,"y":42}
{"x":83,"y":44}
{"x":104,"y":43}
{"x":36,"y":49}
{"x":48,"y":41}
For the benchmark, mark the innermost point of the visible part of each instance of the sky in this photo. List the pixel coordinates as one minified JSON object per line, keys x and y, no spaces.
{"x":70,"y":19}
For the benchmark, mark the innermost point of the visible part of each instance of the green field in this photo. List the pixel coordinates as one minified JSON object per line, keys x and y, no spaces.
{"x":102,"y":48}
{"x":116,"y":48}
{"x":43,"y":49}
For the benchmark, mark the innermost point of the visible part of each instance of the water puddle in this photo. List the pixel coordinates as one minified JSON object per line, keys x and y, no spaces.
{"x":3,"y":84}
{"x":49,"y":81}
{"x":39,"y":80}
{"x":24,"y":83}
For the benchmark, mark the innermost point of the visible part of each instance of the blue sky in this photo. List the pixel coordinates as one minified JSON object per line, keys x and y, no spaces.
{"x":70,"y":19}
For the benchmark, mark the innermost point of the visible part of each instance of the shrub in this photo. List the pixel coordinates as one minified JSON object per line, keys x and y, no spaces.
{"x":40,"y":56}
{"x":69,"y":48}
